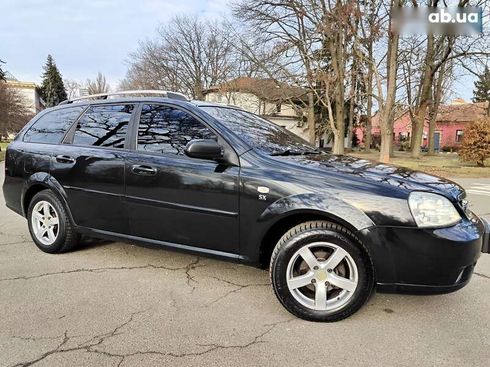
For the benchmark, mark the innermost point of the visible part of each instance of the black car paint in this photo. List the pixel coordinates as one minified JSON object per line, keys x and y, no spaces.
{"x":215,"y":208}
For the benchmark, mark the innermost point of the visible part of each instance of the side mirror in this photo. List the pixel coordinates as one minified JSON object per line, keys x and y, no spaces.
{"x":204,"y":149}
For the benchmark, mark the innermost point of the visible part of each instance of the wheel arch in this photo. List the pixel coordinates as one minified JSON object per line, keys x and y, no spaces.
{"x":290,"y":219}
{"x":43,"y":181}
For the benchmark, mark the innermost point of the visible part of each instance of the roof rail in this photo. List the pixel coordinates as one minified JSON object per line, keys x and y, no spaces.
{"x":164,"y":93}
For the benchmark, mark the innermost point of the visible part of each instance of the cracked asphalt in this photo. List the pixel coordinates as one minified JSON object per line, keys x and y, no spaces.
{"x":116,"y":304}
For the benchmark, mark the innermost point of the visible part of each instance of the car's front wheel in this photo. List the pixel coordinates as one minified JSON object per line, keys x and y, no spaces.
{"x":320,"y":272}
{"x":49,"y":225}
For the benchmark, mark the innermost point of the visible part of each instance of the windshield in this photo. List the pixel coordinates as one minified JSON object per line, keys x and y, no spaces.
{"x":260,"y":133}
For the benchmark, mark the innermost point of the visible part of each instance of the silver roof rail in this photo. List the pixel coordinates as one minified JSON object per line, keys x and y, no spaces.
{"x":164,"y":93}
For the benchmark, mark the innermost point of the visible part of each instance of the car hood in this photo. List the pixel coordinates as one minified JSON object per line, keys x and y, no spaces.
{"x":384,"y":174}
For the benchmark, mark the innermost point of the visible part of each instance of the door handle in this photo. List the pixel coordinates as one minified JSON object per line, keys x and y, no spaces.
{"x":143,"y":170}
{"x":65,"y":159}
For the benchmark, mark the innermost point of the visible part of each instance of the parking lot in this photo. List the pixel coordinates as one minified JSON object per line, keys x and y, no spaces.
{"x":116,"y":304}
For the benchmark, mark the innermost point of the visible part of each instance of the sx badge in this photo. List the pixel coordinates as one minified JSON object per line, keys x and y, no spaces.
{"x":263,"y":191}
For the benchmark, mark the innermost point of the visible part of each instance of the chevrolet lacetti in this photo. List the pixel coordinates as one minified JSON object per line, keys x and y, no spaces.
{"x":219,"y":181}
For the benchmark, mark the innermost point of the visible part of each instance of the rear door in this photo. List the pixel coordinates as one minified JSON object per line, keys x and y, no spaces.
{"x":175,"y":198}
{"x":90,"y":167}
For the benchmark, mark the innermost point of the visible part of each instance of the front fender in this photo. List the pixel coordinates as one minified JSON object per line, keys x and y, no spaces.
{"x":311,"y":203}
{"x":335,"y":208}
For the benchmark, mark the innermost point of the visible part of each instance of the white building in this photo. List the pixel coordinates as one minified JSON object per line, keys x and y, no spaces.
{"x":280,"y":103}
{"x":28,"y":90}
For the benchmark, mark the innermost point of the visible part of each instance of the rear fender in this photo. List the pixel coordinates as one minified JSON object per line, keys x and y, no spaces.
{"x":47,"y":181}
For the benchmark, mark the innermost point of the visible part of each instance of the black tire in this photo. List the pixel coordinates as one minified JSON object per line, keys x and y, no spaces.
{"x":320,"y":231}
{"x":67,"y":239}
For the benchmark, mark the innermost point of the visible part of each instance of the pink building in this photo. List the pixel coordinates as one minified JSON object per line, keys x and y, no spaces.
{"x":450,"y":124}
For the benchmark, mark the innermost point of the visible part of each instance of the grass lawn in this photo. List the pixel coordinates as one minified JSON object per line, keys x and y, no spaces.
{"x":441,"y":164}
{"x":3,"y":148}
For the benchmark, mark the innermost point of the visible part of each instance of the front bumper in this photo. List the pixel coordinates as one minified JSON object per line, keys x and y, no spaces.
{"x":426,"y":261}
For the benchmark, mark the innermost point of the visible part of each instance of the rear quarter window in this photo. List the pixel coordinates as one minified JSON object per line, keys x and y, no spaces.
{"x":52,"y":126}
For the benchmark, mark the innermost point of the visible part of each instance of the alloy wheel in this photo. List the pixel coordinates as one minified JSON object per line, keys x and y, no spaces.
{"x":45,"y":222}
{"x":322,"y":276}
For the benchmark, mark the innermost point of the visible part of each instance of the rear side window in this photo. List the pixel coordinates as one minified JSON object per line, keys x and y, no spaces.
{"x":104,"y":126}
{"x":167,"y":130}
{"x":52,"y":126}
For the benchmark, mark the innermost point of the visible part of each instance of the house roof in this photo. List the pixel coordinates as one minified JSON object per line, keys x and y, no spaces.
{"x":450,"y":113}
{"x":266,"y":89}
{"x":461,"y":112}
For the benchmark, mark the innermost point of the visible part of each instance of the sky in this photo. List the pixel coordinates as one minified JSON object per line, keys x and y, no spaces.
{"x":90,"y":36}
{"x":85,"y":36}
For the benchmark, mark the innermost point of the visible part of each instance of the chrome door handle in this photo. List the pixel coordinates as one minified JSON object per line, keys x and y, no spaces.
{"x":143,"y":170}
{"x":64,"y":159}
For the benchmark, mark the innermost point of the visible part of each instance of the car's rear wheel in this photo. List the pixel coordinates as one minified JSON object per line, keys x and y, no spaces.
{"x":320,"y":272}
{"x":49,"y":225}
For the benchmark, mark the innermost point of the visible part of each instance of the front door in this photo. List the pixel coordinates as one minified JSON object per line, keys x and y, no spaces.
{"x":175,"y":198}
{"x":437,"y":140}
{"x":90,"y":167}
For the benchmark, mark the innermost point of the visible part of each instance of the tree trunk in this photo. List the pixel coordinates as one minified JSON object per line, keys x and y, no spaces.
{"x":424,"y":98}
{"x":369,"y":122}
{"x":386,"y":112}
{"x":350,"y":126}
{"x":386,"y":143}
{"x":338,"y":142}
{"x":311,"y":119}
{"x":432,"y":130}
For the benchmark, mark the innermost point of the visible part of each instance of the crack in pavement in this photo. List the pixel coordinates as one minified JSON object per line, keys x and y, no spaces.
{"x":189,"y":278}
{"x":12,"y":243}
{"x":86,"y":346}
{"x":481,"y":275}
{"x":91,"y":344}
{"x":238,"y":288}
{"x":187,"y":269}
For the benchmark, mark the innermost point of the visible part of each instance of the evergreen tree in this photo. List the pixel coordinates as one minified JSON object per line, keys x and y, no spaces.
{"x":52,"y":87}
{"x":481,"y":93}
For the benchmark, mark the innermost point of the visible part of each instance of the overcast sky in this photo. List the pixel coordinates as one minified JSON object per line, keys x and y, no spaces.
{"x":88,"y":36}
{"x":85,"y":36}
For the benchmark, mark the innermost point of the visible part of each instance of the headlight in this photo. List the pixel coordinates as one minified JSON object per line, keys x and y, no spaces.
{"x":432,"y":210}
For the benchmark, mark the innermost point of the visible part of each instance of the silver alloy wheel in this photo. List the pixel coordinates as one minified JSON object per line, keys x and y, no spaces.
{"x":45,"y":222}
{"x":322,"y":276}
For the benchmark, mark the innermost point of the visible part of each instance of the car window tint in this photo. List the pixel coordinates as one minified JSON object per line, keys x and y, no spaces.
{"x":258,"y":132}
{"x":52,"y":126}
{"x":167,"y":130}
{"x":104,"y":126}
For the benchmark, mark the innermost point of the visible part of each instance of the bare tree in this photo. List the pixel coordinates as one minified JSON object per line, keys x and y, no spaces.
{"x":312,"y":43}
{"x":189,"y":55}
{"x":99,"y":85}
{"x":13,"y":111}
{"x":438,"y":51}
{"x":72,"y":88}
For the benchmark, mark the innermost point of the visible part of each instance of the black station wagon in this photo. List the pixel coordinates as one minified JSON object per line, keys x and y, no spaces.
{"x":219,"y":181}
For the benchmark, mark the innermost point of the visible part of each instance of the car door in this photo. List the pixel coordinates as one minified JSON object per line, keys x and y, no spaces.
{"x":172,"y":197}
{"x":90,"y":167}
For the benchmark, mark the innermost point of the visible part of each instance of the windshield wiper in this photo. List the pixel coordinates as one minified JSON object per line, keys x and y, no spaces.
{"x":286,"y":152}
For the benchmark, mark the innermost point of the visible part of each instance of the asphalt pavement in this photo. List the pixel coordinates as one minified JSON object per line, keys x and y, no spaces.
{"x":116,"y":304}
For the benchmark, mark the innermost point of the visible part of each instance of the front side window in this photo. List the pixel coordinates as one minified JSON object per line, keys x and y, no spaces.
{"x":259,"y":133}
{"x":104,"y":126}
{"x":167,"y":130}
{"x":52,"y":126}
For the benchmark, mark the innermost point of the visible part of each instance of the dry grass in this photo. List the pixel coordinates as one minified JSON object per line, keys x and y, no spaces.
{"x":441,"y":164}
